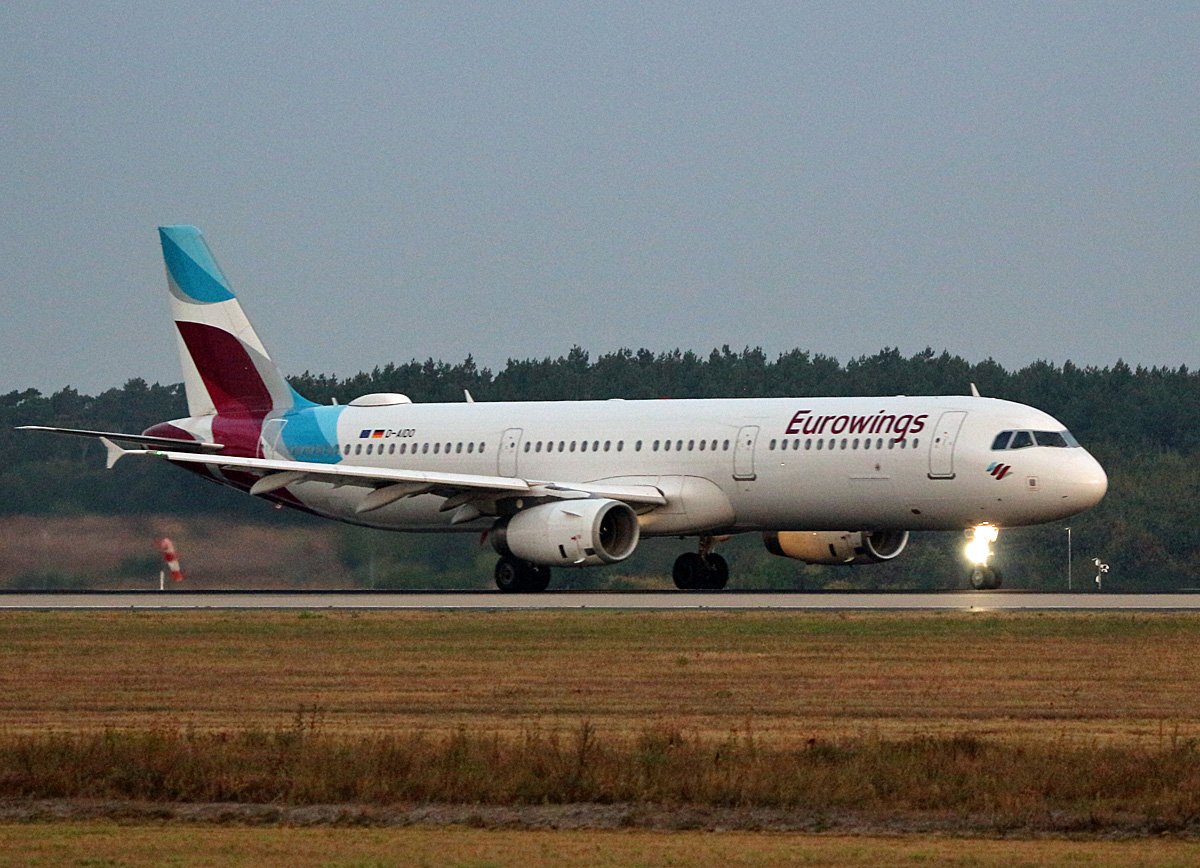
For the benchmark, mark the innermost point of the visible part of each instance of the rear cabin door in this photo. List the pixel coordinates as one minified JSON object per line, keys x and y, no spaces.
{"x":506,"y":461}
{"x":941,"y":446}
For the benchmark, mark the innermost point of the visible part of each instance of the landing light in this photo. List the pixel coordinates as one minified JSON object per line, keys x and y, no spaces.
{"x":981,"y":536}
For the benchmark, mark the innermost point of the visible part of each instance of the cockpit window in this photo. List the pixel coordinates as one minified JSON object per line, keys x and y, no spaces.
{"x":1021,"y":440}
{"x":1060,"y":439}
{"x":1025,"y":439}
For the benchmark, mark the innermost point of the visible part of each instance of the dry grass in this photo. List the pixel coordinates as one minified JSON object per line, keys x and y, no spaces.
{"x":1013,"y":786}
{"x":1103,"y":679}
{"x":105,"y":845}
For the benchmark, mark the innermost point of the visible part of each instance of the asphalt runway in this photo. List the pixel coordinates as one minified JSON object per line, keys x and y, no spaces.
{"x":634,"y":600}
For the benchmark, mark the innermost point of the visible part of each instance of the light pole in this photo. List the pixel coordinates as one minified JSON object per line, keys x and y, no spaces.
{"x":1068,"y":559}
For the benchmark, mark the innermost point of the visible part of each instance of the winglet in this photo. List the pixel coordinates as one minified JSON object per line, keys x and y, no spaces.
{"x":115,"y":452}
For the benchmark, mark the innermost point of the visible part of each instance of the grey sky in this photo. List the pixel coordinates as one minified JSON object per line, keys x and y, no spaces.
{"x":394,"y":181}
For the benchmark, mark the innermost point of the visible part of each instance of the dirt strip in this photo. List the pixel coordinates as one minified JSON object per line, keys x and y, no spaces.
{"x":592,"y":816}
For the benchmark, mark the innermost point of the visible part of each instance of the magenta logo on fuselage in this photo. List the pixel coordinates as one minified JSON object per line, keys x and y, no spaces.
{"x":998,"y":470}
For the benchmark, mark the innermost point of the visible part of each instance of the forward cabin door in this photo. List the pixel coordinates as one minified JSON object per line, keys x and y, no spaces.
{"x":743,"y":452}
{"x":941,"y":447}
{"x":506,"y":461}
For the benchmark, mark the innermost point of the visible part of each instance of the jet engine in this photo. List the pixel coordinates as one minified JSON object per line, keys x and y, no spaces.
{"x":570,"y":533}
{"x":837,"y":547}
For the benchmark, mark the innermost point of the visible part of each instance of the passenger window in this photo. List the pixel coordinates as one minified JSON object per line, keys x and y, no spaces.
{"x":607,"y":444}
{"x":771,"y":446}
{"x":457,"y":448}
{"x":358,"y":449}
{"x":725,"y":445}
{"x":424,"y":448}
{"x":528,"y":445}
{"x":621,"y":445}
{"x":403,"y":448}
{"x":855,"y":446}
{"x":471,"y":447}
{"x":562,"y":445}
{"x":596,"y":446}
{"x":481,"y":445}
{"x":637,"y":447}
{"x":678,"y":445}
{"x":808,"y":444}
{"x":538,"y":447}
{"x":1021,"y":440}
{"x":437,"y":448}
{"x":572,"y":445}
{"x":391,"y":449}
{"x":820,"y":443}
{"x":1001,"y":441}
{"x":703,"y":443}
{"x":667,"y":445}
{"x":916,"y":442}
{"x":691,"y":445}
{"x":867,"y":443}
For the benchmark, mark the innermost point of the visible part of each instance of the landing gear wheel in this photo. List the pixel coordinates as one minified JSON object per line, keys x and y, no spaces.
{"x":716,"y":572}
{"x":694,"y":572}
{"x":985,"y":578}
{"x":686,"y":570}
{"x":515,"y":576}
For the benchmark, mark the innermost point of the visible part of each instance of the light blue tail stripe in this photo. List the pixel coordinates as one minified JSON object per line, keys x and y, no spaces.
{"x":191,"y":265}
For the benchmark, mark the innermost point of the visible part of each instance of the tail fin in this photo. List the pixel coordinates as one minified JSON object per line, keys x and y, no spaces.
{"x":226,"y":369}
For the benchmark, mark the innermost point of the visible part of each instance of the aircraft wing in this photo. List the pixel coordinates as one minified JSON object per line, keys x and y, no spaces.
{"x":463,"y":491}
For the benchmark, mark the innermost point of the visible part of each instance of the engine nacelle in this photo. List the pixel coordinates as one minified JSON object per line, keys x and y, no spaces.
{"x":837,"y":547}
{"x":570,"y":533}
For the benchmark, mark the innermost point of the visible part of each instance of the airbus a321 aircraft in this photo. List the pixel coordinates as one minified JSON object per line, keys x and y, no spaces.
{"x":577,"y":483}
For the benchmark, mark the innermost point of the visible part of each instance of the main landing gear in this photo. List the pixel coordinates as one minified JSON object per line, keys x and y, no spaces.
{"x":514,"y":575}
{"x":704,"y":570}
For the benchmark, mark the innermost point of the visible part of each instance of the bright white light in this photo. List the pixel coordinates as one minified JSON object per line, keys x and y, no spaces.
{"x":977,"y":549}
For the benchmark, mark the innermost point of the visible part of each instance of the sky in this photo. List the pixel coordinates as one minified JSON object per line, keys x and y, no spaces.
{"x":387,"y":182}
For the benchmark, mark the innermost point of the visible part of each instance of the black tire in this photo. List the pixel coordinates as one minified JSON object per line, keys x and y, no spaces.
{"x":509,"y":575}
{"x":515,"y":576}
{"x":984,"y":578}
{"x":538,"y":579}
{"x":716,"y":573}
{"x":687,"y":571}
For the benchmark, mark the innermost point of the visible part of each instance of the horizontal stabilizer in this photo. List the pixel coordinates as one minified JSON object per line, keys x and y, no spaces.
{"x":140,"y":439}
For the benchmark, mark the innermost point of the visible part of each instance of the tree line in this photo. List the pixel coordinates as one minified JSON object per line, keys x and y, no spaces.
{"x":1141,"y":423}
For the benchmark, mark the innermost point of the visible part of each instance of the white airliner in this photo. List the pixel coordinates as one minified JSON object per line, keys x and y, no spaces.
{"x":577,"y":483}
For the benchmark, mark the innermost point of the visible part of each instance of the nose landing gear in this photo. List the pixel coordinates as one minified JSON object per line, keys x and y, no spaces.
{"x":704,"y":570}
{"x":982,"y":577}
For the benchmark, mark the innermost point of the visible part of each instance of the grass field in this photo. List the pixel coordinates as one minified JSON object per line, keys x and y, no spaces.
{"x":1080,"y":723}
{"x":107,"y":845}
{"x":1097,"y":679}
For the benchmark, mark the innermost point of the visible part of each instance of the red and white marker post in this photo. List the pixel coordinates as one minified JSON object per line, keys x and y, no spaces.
{"x":172,"y":558}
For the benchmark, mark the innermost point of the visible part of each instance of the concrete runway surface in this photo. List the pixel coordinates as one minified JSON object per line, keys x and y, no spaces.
{"x":725,"y":600}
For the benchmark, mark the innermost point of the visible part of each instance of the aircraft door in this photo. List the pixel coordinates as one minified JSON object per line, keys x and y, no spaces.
{"x":941,"y":446}
{"x":506,"y":461}
{"x":743,"y":452}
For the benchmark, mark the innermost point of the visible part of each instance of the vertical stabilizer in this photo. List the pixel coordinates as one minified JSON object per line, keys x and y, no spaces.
{"x":226,"y":369}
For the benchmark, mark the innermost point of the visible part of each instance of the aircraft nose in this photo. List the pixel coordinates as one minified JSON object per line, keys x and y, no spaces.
{"x":1089,"y":482}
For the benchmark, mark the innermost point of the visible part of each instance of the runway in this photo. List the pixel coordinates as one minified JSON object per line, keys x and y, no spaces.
{"x":631,"y":600}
